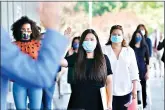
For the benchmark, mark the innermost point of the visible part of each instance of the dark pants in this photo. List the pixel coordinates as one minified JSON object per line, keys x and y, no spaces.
{"x":47,"y":97}
{"x":144,"y":93}
{"x":120,"y":101}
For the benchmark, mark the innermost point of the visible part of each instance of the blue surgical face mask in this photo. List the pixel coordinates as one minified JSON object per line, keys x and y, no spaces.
{"x":75,"y":45}
{"x":89,"y":46}
{"x":138,"y":39}
{"x":116,"y":38}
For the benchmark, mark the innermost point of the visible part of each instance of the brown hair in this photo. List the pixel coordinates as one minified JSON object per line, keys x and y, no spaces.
{"x":124,"y":44}
{"x":142,"y":25}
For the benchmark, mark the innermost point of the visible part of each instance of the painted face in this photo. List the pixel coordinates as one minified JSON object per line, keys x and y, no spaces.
{"x":26,"y":31}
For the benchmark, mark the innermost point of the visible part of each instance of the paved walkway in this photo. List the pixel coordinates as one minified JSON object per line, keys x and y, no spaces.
{"x":157,"y":89}
{"x":157,"y":93}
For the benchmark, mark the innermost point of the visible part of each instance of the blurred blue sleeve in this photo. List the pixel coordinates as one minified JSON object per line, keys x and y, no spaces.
{"x":23,"y":69}
{"x":59,"y":68}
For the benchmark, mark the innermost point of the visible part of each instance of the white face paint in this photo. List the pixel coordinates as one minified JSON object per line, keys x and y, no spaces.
{"x":26,"y":31}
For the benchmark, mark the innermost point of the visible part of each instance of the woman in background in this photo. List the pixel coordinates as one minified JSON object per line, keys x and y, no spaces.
{"x":143,"y":30}
{"x":140,"y":47}
{"x":124,"y":68}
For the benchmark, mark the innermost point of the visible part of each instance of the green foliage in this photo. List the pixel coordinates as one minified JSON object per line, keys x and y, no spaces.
{"x":124,"y":5}
{"x":150,"y":30}
{"x":99,"y":8}
{"x":84,"y":5}
{"x":153,"y":4}
{"x":150,"y":11}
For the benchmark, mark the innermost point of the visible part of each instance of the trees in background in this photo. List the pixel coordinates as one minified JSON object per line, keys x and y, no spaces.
{"x":151,"y":12}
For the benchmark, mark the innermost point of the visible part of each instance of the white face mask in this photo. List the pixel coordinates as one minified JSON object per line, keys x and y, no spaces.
{"x":143,"y":32}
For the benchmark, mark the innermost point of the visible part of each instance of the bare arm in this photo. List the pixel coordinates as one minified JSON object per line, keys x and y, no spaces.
{"x":64,"y":63}
{"x":134,"y":91}
{"x":109,"y":90}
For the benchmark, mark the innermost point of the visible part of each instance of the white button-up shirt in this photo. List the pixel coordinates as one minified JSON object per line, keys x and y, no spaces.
{"x":124,"y":69}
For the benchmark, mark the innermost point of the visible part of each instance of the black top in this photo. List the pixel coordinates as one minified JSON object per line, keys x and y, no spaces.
{"x":67,"y":54}
{"x":87,"y":91}
{"x":71,"y":61}
{"x":142,"y":57}
{"x":160,"y":46}
{"x":70,"y":69}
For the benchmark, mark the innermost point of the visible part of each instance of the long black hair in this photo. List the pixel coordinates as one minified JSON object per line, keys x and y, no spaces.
{"x":133,"y":40}
{"x":75,"y":38}
{"x":143,"y":45}
{"x":98,"y":71}
{"x":16,"y":28}
{"x":142,"y":25}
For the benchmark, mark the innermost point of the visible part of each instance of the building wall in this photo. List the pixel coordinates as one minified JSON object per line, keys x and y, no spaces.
{"x":12,"y":11}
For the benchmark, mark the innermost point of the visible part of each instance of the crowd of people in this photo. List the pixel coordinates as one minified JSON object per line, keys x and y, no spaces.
{"x":33,"y":60}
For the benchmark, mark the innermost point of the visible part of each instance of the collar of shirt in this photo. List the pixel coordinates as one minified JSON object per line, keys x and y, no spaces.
{"x":122,"y":69}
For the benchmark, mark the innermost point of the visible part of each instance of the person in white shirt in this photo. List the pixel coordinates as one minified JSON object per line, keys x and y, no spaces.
{"x":124,"y":68}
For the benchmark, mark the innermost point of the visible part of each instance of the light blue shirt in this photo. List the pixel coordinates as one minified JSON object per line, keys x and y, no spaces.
{"x":21,"y":68}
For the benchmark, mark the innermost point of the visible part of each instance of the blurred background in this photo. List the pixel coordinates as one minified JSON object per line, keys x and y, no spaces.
{"x":97,"y":15}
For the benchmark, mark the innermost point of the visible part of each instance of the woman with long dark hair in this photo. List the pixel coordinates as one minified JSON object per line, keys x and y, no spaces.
{"x":124,"y":68}
{"x":27,"y":36}
{"x":139,"y":45}
{"x":74,"y":46}
{"x":71,"y":51}
{"x":143,"y":30}
{"x":92,"y":71}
